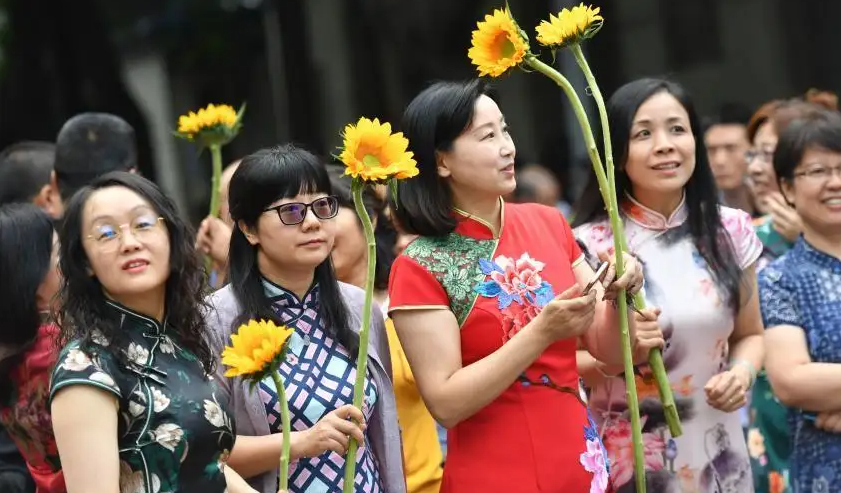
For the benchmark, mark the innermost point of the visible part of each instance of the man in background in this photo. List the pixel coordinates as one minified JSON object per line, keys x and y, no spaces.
{"x":90,"y":145}
{"x":25,"y":176}
{"x":726,"y":138}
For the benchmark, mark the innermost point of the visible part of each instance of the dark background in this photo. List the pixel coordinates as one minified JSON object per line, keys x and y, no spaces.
{"x":308,"y":67}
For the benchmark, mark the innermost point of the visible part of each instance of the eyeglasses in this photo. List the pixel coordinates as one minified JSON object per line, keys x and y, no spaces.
{"x":760,"y":154}
{"x":109,"y":234}
{"x":819,"y":173}
{"x":295,"y":212}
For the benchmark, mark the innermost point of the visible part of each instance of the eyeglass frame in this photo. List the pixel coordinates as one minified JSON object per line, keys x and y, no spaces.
{"x":761,"y":154}
{"x":307,"y":208}
{"x":119,"y":232}
{"x":809,"y":173}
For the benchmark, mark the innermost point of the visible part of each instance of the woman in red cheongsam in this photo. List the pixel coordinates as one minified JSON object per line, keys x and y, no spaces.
{"x":489,"y":305}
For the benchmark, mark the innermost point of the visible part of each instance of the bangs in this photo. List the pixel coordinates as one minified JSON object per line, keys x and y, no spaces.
{"x":297,"y":174}
{"x":273,"y":174}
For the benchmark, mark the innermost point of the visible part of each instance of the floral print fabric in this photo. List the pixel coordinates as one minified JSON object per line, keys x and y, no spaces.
{"x":697,"y":321}
{"x":174,"y":432}
{"x":803,"y":289}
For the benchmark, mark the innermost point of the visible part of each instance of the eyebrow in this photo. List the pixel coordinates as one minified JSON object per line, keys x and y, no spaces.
{"x":671,"y":119}
{"x":108,"y":216}
{"x":490,"y":124}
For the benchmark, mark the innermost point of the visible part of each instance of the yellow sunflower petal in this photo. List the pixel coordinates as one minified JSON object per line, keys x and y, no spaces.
{"x":207,"y":118}
{"x":570,"y":26}
{"x":496,"y":44}
{"x":372,"y":153}
{"x":254,"y":348}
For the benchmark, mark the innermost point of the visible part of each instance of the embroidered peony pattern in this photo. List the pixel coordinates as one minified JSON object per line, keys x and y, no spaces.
{"x":519,"y":289}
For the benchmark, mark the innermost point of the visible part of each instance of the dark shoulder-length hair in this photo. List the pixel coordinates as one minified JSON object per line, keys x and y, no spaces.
{"x":376,"y":208}
{"x":701,"y":194}
{"x":262,"y":178}
{"x":26,"y":246}
{"x":432,"y":122}
{"x":82,"y":309}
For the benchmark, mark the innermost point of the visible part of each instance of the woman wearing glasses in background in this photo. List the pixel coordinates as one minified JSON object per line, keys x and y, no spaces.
{"x":280,"y":270}
{"x":133,"y":406}
{"x":801,"y":308}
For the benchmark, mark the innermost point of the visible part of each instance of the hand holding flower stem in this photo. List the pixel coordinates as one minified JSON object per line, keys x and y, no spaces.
{"x":371,"y":154}
{"x":256,"y":353}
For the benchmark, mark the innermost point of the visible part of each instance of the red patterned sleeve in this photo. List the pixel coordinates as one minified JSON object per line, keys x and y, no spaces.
{"x":412,"y":287}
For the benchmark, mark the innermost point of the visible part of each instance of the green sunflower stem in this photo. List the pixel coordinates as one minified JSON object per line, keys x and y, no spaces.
{"x":609,"y":196}
{"x":283,"y":479}
{"x":216,"y":158}
{"x":655,"y":357}
{"x":362,"y":358}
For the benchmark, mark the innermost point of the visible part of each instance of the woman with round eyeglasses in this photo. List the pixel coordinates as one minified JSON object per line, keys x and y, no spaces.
{"x":800,"y":302}
{"x":280,"y":270}
{"x":134,"y":408}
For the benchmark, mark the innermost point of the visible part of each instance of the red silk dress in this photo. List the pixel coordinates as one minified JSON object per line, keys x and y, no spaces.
{"x":537,"y":436}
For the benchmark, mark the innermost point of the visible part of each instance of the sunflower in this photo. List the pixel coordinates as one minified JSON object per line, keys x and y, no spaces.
{"x":255,"y":349}
{"x":497,"y":44}
{"x":215,"y":124}
{"x":569,"y":26}
{"x":371,"y":152}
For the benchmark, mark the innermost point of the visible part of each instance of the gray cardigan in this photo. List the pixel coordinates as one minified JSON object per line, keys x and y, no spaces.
{"x":383,"y":433}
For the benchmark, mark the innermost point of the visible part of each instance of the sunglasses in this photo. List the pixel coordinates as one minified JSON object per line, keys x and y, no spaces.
{"x":295,"y":212}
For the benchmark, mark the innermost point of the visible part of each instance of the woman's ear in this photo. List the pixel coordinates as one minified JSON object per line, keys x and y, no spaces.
{"x":249,"y":233}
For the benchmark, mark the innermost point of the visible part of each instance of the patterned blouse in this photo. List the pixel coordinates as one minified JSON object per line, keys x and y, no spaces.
{"x":803,"y":289}
{"x":319,"y":376}
{"x":697,"y":321}
{"x":174,"y":433}
{"x":26,"y":417}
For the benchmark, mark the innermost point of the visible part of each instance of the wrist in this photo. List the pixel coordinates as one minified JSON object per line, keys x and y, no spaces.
{"x":745,"y":369}
{"x":298,"y":441}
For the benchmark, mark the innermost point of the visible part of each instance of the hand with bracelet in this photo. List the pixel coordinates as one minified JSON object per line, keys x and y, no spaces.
{"x":728,"y":390}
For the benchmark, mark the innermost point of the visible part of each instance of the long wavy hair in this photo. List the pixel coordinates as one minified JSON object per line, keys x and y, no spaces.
{"x":261,"y":179}
{"x":26,"y":246}
{"x":704,"y":219}
{"x":83,"y":307}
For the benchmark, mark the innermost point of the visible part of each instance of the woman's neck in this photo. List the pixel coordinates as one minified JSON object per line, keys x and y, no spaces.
{"x":663,"y":203}
{"x":488,"y":210}
{"x":297,"y":281}
{"x":830,"y":244}
{"x":358,"y":276}
{"x":151,"y":304}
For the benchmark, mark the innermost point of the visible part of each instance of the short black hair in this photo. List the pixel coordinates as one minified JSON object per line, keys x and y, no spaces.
{"x":25,"y":168}
{"x":90,"y":145}
{"x":821,"y":129}
{"x":728,"y":114}
{"x":432,"y":122}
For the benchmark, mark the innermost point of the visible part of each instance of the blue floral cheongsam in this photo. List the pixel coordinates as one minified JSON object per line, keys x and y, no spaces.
{"x":803,"y":289}
{"x":174,"y":432}
{"x":319,"y":376}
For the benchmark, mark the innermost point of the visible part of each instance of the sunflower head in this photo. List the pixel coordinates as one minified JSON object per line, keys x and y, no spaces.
{"x":255,"y":349}
{"x":570,"y":26}
{"x":497,"y":44}
{"x":215,"y":124}
{"x":372,"y":153}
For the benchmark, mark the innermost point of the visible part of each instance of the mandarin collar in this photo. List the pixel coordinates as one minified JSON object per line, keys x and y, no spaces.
{"x":475,"y":227}
{"x":281,"y":297}
{"x":805,"y":250}
{"x":131,"y":319}
{"x":652,"y":219}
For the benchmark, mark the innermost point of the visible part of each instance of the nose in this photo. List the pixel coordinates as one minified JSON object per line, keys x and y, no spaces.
{"x":834,"y":181}
{"x":310,"y":222}
{"x":508,"y":149}
{"x":663,"y":142}
{"x":128,"y":242}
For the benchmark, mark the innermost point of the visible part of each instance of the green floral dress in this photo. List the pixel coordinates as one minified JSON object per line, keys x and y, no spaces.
{"x":174,"y":431}
{"x":768,"y":432}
